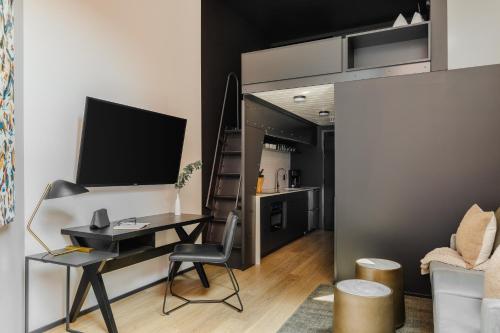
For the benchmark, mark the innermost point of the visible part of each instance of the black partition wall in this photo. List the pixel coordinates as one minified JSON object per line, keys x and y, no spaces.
{"x":413,"y":153}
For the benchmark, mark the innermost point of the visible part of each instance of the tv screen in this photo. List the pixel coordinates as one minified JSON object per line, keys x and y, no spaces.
{"x":123,"y":145}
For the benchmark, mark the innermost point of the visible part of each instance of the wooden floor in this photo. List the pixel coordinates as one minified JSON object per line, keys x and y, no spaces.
{"x":270,"y":293}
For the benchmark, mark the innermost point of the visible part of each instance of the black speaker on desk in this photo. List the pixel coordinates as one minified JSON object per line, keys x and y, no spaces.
{"x":100,"y":219}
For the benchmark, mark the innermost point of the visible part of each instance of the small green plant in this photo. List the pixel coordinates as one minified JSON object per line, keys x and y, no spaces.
{"x":186,"y":174}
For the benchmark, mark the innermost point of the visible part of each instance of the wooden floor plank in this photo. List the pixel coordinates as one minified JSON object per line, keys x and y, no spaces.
{"x":270,"y":293}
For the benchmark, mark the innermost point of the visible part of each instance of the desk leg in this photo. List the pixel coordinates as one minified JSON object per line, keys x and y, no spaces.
{"x":191,"y":238}
{"x":82,"y":291}
{"x":201,"y":274}
{"x":92,"y":277}
{"x":26,"y":294}
{"x":175,"y":270}
{"x":103,"y":301}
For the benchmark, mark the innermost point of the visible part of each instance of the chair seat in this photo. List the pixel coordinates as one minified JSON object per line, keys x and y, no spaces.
{"x":204,"y":253}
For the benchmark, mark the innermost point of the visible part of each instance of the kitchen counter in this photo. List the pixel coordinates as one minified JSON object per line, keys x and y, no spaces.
{"x":285,"y":191}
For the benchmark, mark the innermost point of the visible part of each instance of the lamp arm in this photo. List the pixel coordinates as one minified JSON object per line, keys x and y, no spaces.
{"x":32,"y":217}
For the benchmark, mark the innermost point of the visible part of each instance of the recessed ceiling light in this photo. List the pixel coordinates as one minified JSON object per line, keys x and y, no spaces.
{"x":324,"y":113}
{"x":299,"y":99}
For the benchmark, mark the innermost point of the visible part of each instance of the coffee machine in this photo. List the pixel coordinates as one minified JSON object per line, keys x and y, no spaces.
{"x":293,"y":178}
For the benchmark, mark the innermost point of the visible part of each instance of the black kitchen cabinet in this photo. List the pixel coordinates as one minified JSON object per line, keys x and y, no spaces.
{"x":283,"y":219}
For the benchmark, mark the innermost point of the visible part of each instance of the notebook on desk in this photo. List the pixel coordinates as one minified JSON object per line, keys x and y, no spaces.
{"x":130,"y":226}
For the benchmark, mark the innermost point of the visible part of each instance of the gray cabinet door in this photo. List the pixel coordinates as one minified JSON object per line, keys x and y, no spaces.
{"x":293,"y":61}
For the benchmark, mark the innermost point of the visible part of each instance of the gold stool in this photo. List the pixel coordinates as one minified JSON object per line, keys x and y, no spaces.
{"x":362,"y":306}
{"x":389,"y":273}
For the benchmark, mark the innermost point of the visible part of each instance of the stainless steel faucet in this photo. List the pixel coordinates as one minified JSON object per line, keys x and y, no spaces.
{"x":277,"y":185}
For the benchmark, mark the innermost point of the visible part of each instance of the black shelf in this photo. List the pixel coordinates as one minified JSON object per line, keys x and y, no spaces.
{"x":388,"y":47}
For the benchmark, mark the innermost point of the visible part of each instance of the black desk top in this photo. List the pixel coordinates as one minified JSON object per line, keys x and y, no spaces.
{"x":73,"y":259}
{"x":157,"y":223}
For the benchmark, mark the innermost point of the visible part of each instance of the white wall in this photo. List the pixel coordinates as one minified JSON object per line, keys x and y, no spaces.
{"x":473,"y":30}
{"x":272,"y":161}
{"x":12,"y":235}
{"x":142,"y":53}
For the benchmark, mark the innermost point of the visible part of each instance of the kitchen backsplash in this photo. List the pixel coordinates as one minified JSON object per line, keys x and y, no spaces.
{"x":272,"y":161}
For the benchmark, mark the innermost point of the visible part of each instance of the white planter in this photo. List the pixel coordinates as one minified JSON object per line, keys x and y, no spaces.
{"x":177,"y":210}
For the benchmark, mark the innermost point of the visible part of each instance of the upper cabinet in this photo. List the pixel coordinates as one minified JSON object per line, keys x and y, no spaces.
{"x":384,"y":52}
{"x":293,"y":61}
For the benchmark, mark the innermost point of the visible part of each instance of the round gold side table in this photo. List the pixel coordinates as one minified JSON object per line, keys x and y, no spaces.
{"x":389,"y":273}
{"x":362,"y":306}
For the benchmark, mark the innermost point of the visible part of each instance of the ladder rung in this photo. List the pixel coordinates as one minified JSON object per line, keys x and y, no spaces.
{"x":232,"y":131}
{"x":222,"y":221}
{"x":226,"y":197}
{"x":228,"y":174}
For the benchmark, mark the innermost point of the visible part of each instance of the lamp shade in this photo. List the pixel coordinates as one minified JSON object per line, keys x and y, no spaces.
{"x":62,"y":188}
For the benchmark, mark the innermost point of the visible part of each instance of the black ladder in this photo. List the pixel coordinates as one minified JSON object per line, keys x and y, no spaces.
{"x":224,"y":192}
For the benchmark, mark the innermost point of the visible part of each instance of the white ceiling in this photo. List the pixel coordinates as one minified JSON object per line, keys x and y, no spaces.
{"x":318,"y":98}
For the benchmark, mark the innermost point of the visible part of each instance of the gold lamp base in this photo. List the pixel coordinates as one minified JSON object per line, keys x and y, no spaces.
{"x":71,"y":249}
{"x":83,"y":249}
{"x":60,"y":252}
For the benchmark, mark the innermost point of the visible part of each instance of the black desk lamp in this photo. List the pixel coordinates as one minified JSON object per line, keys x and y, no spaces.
{"x":57,"y":189}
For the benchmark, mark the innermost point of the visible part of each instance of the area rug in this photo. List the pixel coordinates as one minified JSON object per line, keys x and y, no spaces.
{"x":315,"y":314}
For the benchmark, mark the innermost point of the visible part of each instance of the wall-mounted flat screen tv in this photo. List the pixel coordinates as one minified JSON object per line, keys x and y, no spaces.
{"x":123,"y":145}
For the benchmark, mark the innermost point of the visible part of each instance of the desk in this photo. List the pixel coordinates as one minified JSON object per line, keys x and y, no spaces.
{"x":128,"y":247}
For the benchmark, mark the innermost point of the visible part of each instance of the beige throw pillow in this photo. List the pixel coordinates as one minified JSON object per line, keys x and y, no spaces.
{"x":497,"y":238}
{"x":476,"y":235}
{"x":492,"y":276}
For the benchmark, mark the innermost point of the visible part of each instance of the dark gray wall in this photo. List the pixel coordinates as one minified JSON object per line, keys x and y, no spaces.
{"x":225,"y":35}
{"x":309,"y":160}
{"x":412,"y":154}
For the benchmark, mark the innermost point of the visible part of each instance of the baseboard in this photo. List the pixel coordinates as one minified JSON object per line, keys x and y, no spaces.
{"x":418,"y":294}
{"x":117,"y":298}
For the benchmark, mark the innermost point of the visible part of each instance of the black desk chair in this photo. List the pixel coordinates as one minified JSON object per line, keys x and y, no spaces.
{"x":206,"y":254}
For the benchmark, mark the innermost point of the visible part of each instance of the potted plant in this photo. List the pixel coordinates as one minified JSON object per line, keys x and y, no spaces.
{"x":182,"y":180}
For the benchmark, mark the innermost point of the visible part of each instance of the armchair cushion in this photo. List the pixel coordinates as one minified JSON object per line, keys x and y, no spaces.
{"x":492,"y":277}
{"x":490,"y":315}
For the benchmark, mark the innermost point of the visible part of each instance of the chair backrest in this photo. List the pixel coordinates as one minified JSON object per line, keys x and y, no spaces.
{"x":229,"y":233}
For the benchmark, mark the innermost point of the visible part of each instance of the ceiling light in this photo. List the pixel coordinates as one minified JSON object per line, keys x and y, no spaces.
{"x":299,"y":99}
{"x":324,"y":113}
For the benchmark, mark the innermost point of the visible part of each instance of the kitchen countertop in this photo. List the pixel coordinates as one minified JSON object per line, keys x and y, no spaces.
{"x":285,"y":191}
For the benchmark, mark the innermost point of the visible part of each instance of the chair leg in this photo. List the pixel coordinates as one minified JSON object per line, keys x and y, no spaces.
{"x":234,"y":282}
{"x":236,"y":287}
{"x":166,"y":287}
